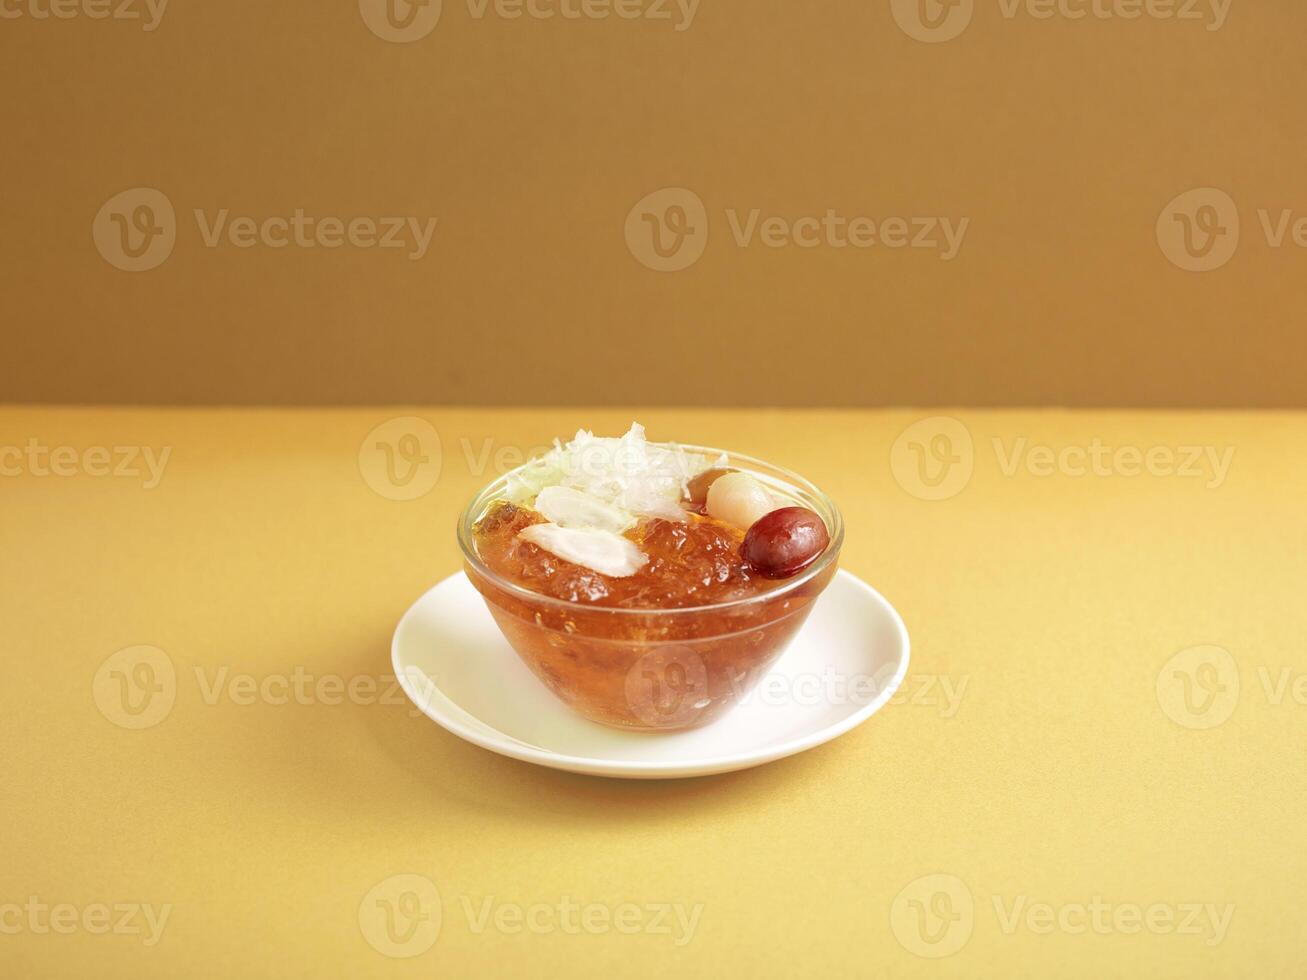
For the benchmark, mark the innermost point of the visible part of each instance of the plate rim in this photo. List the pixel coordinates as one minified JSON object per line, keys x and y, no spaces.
{"x":638,"y":769}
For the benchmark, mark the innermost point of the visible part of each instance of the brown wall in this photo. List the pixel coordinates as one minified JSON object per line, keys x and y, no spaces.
{"x":1061,"y":142}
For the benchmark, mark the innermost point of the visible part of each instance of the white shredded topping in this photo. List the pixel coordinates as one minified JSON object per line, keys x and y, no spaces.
{"x":591,"y":489}
{"x":643,"y":478}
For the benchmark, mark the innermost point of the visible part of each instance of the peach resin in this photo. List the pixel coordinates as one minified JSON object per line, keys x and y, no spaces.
{"x":666,"y":623}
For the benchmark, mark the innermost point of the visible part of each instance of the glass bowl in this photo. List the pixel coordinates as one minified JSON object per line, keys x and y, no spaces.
{"x":656,"y":670}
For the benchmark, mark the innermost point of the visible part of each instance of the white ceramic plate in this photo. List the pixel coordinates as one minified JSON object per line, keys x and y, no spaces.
{"x":847,"y":661}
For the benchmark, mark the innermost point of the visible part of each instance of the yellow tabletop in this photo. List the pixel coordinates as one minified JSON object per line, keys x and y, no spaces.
{"x":1094,"y":768}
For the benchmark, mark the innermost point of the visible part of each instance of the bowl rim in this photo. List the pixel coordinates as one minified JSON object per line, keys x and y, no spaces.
{"x":474,"y":507}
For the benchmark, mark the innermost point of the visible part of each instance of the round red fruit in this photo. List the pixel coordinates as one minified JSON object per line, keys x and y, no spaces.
{"x":784,"y":542}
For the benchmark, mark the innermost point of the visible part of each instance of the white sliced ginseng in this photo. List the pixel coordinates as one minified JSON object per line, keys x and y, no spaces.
{"x":572,"y":508}
{"x":600,"y":551}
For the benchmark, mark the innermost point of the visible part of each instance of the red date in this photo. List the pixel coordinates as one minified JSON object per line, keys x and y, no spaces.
{"x":784,"y":542}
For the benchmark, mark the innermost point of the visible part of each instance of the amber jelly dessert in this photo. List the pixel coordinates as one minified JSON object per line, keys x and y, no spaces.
{"x":649,"y":585}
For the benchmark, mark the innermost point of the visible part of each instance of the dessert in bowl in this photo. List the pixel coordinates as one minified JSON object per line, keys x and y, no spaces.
{"x":649,"y":586}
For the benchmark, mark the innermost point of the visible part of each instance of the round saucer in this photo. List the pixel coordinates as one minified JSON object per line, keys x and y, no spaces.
{"x":845,"y":664}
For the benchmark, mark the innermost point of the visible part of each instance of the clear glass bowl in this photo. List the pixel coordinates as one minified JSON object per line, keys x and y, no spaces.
{"x":656,"y":669}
